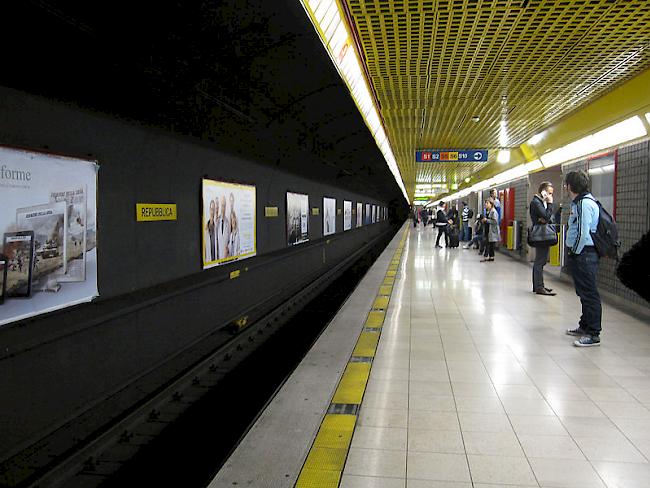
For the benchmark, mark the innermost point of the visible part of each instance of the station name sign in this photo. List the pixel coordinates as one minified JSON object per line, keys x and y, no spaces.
{"x":149,"y":212}
{"x":451,"y":156}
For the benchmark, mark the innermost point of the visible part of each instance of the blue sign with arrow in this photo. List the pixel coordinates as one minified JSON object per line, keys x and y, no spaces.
{"x":452,"y":156}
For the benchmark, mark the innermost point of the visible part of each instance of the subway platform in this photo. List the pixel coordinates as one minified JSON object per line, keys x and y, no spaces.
{"x":444,"y":372}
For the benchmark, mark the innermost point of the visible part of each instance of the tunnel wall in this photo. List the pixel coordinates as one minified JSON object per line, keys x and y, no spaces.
{"x":155,"y":300}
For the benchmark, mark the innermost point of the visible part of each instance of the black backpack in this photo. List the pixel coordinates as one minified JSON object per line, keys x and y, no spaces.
{"x":470,"y":214}
{"x":605,"y":238}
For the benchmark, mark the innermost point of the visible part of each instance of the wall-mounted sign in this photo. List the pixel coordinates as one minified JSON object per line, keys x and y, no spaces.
{"x":150,"y":212}
{"x":270,"y":211}
{"x":455,"y":156}
{"x":315,"y":211}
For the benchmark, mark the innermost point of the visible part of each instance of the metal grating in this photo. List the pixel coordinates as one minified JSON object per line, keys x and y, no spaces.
{"x":436,"y":63}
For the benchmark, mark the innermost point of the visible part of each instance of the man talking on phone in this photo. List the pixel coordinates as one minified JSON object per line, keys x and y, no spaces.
{"x":541,"y":212}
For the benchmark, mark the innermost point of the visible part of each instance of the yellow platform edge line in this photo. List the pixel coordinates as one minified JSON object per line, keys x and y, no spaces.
{"x":326,"y":459}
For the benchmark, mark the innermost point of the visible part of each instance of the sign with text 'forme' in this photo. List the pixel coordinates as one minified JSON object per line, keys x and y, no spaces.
{"x":451,"y":156}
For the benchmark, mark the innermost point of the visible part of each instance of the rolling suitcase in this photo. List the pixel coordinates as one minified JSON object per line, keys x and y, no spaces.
{"x":453,"y":237}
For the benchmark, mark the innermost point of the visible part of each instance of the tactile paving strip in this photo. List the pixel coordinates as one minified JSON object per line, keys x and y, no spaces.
{"x":326,"y":458}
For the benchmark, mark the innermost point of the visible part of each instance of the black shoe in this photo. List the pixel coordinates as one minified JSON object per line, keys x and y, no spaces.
{"x":549,"y":289}
{"x":587,"y":341}
{"x":578,"y":331}
{"x":438,"y":246}
{"x":544,"y":291}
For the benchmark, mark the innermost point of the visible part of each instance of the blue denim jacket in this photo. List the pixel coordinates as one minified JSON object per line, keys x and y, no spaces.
{"x":582,"y":221}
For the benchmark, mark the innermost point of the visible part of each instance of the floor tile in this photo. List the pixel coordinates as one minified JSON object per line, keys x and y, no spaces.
{"x":479,"y":422}
{"x":443,"y":441}
{"x":610,"y":449}
{"x":550,"y":447}
{"x":436,"y":466}
{"x":376,"y":462}
{"x":433,"y":420}
{"x":376,"y":417}
{"x":492,"y":443}
{"x":352,"y":481}
{"x":537,"y":425}
{"x":501,"y":470}
{"x":566,"y":473}
{"x":379,"y":438}
{"x":624,"y":475}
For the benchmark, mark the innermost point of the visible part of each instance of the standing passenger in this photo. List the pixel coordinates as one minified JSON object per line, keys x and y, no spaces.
{"x":493,"y":235}
{"x":583,"y":259}
{"x":541,"y":212}
{"x":494,"y":195}
{"x":464,"y":219}
{"x":441,"y":224}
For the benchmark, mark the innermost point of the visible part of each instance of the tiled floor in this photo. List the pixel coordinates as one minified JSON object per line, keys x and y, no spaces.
{"x":476,"y":385}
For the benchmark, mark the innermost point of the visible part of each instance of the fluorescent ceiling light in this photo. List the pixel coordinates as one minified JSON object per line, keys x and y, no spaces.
{"x":647,"y":117}
{"x":618,"y":133}
{"x":503,"y":133}
{"x":536,"y":139}
{"x":602,"y":170}
{"x":503,"y":156}
{"x":333,"y":31}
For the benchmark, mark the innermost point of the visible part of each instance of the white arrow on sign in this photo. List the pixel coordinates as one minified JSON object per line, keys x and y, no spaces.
{"x":478,"y":156}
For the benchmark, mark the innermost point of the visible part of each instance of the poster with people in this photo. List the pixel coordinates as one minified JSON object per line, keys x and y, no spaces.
{"x":47,"y":232}
{"x":359,"y":214}
{"x":228,"y":223}
{"x":347,"y":215}
{"x":297,"y":218}
{"x":329,"y":216}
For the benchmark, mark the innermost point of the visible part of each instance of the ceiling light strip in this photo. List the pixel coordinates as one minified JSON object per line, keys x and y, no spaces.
{"x":329,"y":21}
{"x":614,"y":135}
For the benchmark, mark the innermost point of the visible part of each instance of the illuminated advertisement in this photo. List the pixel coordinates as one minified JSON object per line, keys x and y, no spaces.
{"x":48,"y":228}
{"x":297,"y":218}
{"x":228,"y":223}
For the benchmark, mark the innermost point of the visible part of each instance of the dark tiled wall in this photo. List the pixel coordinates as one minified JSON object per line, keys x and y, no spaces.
{"x":632,"y":211}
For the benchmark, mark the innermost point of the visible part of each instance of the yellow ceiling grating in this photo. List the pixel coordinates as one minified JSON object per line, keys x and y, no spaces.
{"x":436,"y":63}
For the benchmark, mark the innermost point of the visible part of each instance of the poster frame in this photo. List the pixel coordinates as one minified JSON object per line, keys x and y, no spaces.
{"x":76,"y":158}
{"x":286,"y":216}
{"x":231,"y":259}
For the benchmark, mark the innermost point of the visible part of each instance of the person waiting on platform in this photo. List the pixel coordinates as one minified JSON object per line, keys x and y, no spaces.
{"x":425,"y":217}
{"x":491,"y":220}
{"x":583,"y":258}
{"x":542,"y":213}
{"x":442,"y":224}
{"x":465,"y":215}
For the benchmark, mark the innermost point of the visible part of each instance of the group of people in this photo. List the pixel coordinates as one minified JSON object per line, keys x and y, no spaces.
{"x":222,"y":230}
{"x":582,"y":255}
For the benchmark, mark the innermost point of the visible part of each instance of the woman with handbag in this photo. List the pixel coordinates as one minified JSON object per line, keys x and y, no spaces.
{"x":543,"y":234}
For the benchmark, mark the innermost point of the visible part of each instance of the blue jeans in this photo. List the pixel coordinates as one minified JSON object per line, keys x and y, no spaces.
{"x":464,"y":232}
{"x":584,"y":269}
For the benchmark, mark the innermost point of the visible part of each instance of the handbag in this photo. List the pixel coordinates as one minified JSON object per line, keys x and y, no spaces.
{"x":542,"y":235}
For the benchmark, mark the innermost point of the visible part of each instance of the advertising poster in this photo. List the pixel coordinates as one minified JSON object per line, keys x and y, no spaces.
{"x":367,"y":217}
{"x":48,"y":208}
{"x":374,"y":214}
{"x":347,"y":215}
{"x":297,"y":218}
{"x":228,"y":223}
{"x":359,"y":214}
{"x":329,"y":216}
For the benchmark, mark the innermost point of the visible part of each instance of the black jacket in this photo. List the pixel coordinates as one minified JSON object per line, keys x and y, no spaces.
{"x":453,"y":216}
{"x":541,"y":215}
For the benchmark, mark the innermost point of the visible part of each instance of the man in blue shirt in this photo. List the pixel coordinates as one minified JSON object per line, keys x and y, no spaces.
{"x":583,"y":258}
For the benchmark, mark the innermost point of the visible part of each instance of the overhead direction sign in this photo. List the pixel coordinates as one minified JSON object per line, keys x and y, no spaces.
{"x":451,"y":156}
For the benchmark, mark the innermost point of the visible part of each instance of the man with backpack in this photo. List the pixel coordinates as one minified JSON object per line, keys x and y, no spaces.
{"x":583,"y":258}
